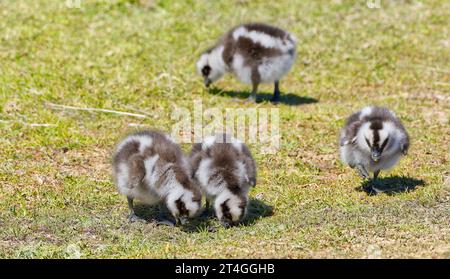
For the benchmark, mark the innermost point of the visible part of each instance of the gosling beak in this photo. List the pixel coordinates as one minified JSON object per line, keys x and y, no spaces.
{"x":181,"y":220}
{"x":225,"y":224}
{"x":207,"y":82}
{"x":376,"y":156}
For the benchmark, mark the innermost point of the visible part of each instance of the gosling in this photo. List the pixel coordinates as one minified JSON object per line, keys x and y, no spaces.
{"x":373,"y":139}
{"x":255,"y":53}
{"x":151,"y":167}
{"x":225,"y":170}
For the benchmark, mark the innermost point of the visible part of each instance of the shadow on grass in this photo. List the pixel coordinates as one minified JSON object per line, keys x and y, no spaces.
{"x":390,"y":185}
{"x":208,"y":222}
{"x":205,"y":221}
{"x":288,"y":99}
{"x":257,"y":210}
{"x":151,"y":213}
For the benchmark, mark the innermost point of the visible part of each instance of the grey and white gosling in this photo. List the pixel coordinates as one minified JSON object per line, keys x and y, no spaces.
{"x":225,"y":170}
{"x":151,"y":167}
{"x":373,"y":139}
{"x":255,"y":53}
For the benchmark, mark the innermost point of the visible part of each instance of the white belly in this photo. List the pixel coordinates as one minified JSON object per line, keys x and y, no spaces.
{"x":241,"y":72}
{"x":270,"y":70}
{"x":273,"y":69}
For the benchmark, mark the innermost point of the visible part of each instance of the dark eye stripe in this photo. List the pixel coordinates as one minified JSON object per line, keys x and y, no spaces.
{"x":226,"y":210}
{"x":181,"y":207}
{"x":368,"y":143}
{"x":384,"y":144}
{"x":206,"y":70}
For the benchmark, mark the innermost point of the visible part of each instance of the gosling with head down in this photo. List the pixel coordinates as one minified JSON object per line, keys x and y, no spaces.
{"x":255,"y":53}
{"x":151,"y":167}
{"x":225,"y":171}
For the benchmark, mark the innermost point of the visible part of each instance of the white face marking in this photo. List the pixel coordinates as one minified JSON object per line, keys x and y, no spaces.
{"x":233,"y":204}
{"x":383,"y":134}
{"x":174,"y":192}
{"x":364,"y":133}
{"x":215,"y":61}
{"x":191,"y":206}
{"x":235,"y":210}
{"x":202,"y":62}
{"x":388,"y":130}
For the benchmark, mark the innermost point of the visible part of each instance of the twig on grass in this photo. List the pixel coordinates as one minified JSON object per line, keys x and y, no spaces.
{"x":137,"y":110}
{"x":136,"y":125}
{"x":64,"y":107}
{"x":28,"y":124}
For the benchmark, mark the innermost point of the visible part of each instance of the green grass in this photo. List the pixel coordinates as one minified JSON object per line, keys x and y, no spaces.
{"x":57,"y":198}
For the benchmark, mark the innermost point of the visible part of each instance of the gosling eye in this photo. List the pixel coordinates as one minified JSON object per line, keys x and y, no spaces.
{"x":368,"y":143}
{"x":206,"y":70}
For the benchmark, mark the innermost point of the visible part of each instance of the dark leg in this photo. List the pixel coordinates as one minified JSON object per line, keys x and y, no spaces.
{"x":252,"y":96}
{"x":207,"y":206}
{"x":276,"y":92}
{"x":132,"y":217}
{"x":161,"y":219}
{"x":375,"y":174}
{"x":362,"y":171}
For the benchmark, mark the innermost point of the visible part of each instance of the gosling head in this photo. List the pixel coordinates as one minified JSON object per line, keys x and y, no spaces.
{"x":211,"y":66}
{"x":230,"y":209}
{"x":377,"y":138}
{"x":183,"y":205}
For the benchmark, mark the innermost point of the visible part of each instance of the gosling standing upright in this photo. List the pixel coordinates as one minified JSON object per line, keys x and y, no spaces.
{"x":255,"y":53}
{"x":150,"y":167}
{"x":225,"y":170}
{"x":373,"y":139}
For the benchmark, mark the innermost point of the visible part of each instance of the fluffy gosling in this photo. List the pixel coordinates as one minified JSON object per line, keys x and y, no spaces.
{"x":151,"y":167}
{"x":255,"y":53}
{"x":225,"y":170}
{"x":373,"y":139}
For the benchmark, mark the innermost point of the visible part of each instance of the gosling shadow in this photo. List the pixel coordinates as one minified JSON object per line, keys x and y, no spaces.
{"x":390,"y":185}
{"x":207,"y":220}
{"x":285,"y":98}
{"x":257,"y":210}
{"x":153,"y":213}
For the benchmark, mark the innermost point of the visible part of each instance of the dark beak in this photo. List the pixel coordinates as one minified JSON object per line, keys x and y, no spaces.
{"x":180,"y":221}
{"x":376,"y":155}
{"x":207,"y":82}
{"x":225,"y":224}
